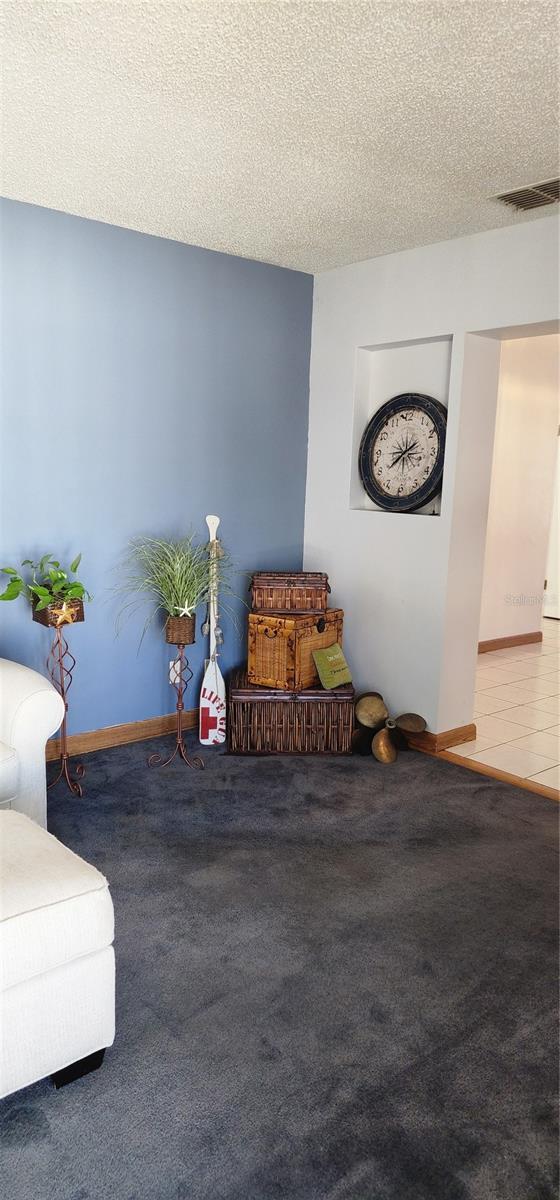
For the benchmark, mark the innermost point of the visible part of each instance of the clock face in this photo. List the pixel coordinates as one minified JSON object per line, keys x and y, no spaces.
{"x":402,"y":451}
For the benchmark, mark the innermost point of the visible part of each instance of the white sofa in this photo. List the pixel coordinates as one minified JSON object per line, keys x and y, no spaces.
{"x":57,"y":964}
{"x":31,"y":710}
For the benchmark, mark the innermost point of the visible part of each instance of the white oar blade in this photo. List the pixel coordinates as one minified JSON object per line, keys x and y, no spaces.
{"x":212,"y":710}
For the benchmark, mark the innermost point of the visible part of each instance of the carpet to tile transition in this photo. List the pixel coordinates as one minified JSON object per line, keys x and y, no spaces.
{"x":335,"y":981}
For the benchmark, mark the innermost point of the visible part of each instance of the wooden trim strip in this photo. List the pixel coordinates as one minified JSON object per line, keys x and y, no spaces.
{"x":121,"y":735}
{"x":518,"y":639}
{"x":434,"y":742}
{"x":529,"y":785}
{"x":427,"y":743}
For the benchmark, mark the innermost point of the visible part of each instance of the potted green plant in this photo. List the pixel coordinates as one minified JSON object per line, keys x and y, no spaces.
{"x":173,"y":576}
{"x":55,"y":597}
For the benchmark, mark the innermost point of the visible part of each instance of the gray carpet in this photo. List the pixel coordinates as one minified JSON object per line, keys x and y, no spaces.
{"x":336,"y":981}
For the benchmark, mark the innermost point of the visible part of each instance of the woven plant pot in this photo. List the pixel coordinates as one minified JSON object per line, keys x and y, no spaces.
{"x":59,"y":613}
{"x":180,"y":631}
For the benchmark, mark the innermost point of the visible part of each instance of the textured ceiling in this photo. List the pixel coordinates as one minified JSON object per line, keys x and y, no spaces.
{"x":309,"y":134}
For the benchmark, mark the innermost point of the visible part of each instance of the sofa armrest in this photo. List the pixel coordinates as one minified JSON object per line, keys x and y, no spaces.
{"x":30,"y":707}
{"x":31,"y":710}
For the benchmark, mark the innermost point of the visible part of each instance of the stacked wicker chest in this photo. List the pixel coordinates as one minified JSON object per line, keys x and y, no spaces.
{"x":277,"y":705}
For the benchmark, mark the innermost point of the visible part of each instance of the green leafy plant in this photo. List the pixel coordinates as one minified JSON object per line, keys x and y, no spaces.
{"x":172,"y":575}
{"x":49,"y":582}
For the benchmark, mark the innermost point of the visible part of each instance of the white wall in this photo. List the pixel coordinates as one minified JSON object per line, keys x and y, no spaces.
{"x":522,"y":488}
{"x":410,"y":585}
{"x":551,"y":606}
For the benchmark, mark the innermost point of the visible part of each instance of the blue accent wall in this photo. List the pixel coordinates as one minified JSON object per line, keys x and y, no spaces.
{"x":145,"y":383}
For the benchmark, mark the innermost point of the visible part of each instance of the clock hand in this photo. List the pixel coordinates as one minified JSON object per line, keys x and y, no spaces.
{"x":400,"y":454}
{"x":399,"y":451}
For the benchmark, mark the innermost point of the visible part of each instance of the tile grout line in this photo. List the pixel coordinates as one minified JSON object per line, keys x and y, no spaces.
{"x":526,"y":669}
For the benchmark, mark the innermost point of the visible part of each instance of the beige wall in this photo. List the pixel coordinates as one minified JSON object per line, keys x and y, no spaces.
{"x":522,"y":488}
{"x":551,"y":606}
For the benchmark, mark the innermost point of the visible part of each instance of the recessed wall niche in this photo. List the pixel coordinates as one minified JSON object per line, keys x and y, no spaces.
{"x":385,"y":371}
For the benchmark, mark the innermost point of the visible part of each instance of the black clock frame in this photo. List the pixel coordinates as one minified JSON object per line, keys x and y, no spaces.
{"x":431,"y":488}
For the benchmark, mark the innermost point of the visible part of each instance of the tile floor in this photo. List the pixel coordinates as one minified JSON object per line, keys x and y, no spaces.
{"x":516,"y":710}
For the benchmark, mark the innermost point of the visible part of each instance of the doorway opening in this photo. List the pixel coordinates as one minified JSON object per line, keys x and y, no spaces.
{"x":517,"y":690}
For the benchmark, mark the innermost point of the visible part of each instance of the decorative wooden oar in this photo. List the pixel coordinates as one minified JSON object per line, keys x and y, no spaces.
{"x":212,"y":710}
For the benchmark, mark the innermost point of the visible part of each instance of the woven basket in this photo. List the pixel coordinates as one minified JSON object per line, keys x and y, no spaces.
{"x":298,"y":592}
{"x":266,"y":721}
{"x":60,"y":613}
{"x":180,"y":631}
{"x":281,"y":646}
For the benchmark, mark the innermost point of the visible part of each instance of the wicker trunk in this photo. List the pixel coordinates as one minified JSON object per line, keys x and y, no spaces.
{"x":280,"y":647}
{"x":298,"y":592}
{"x":269,"y":721}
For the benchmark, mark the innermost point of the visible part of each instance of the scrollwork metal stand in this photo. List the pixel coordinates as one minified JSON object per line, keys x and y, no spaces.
{"x":181,"y":678}
{"x":60,"y":665}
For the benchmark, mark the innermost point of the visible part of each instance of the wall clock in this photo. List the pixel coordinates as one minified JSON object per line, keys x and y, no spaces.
{"x":402,"y":451}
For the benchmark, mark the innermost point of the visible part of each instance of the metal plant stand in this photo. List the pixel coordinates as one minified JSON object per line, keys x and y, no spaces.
{"x":60,"y":665}
{"x":181,"y":678}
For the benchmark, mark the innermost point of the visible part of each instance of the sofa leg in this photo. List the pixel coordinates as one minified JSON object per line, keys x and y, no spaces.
{"x":83,"y":1067}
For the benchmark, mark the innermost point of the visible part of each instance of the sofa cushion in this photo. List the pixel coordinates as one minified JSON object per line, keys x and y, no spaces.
{"x":54,"y":907}
{"x":9,"y":772}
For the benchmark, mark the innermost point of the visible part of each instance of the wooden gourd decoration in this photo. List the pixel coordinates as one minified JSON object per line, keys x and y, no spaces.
{"x":377,"y":733}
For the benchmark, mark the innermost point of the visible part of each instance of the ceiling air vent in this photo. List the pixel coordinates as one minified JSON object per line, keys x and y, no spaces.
{"x":524,"y":199}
